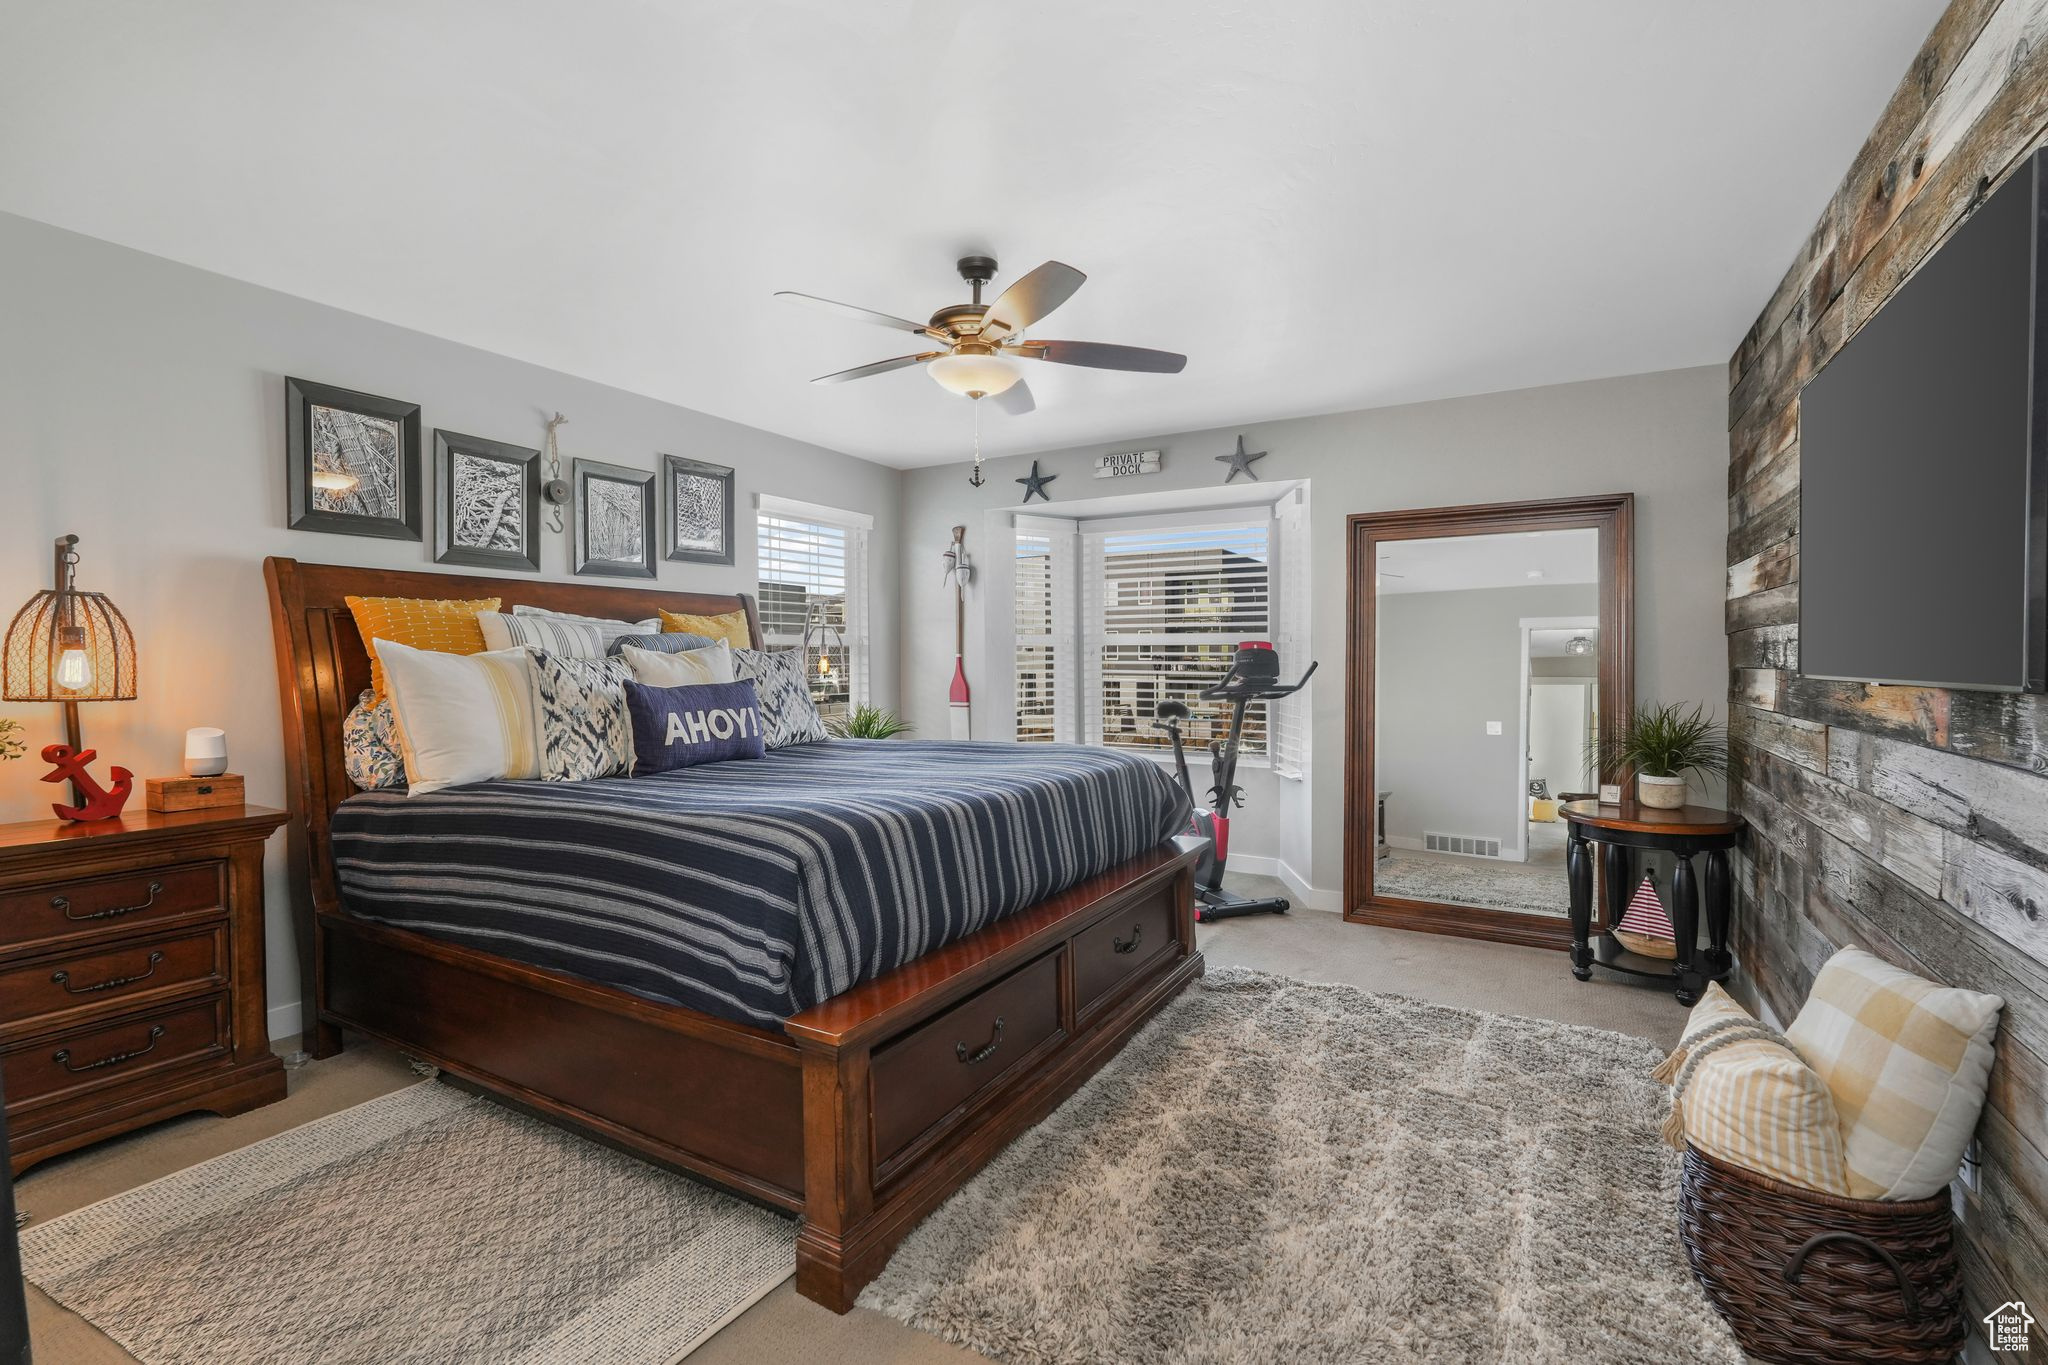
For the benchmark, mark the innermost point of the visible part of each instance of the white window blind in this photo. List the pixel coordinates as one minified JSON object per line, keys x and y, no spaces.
{"x":1289,"y":717}
{"x":1043,"y":580}
{"x":813,"y":585}
{"x":1163,"y":609}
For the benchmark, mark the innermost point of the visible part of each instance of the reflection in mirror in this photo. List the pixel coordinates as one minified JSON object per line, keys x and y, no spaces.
{"x":1487,"y":691}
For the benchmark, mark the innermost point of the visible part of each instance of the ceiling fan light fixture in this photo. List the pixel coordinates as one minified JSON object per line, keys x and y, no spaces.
{"x":974,"y":376}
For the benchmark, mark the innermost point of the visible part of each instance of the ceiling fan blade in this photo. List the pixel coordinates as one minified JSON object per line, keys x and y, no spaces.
{"x":854,"y":311}
{"x":879,"y":367}
{"x":1016,"y":400}
{"x":1032,"y":297}
{"x":1099,"y":355}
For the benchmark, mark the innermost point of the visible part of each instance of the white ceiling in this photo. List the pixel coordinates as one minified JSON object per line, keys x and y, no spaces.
{"x":1520,"y":559}
{"x":1550,"y":644}
{"x":1326,"y":204}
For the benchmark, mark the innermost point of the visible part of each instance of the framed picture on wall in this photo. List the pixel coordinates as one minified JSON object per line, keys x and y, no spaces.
{"x":487,"y":503}
{"x":615,"y":509}
{"x":352,"y":462}
{"x":698,"y":498}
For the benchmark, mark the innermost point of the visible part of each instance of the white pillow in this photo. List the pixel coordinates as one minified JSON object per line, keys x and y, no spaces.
{"x":690,"y":668}
{"x":606,"y":627}
{"x":557,"y":635}
{"x":462,"y":717}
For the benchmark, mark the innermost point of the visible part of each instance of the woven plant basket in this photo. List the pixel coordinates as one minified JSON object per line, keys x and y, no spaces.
{"x":1817,"y":1279}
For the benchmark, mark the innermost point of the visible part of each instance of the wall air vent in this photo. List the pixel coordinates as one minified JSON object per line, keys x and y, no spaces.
{"x":1460,"y":843}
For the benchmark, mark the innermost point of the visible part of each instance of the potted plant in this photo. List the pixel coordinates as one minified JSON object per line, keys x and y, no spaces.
{"x":868,"y":722}
{"x":1660,"y":743}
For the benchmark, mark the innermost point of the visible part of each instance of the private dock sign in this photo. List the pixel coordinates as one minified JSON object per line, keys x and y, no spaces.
{"x":1126,"y":463}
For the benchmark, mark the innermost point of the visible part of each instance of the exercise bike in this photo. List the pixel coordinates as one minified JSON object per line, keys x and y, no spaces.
{"x":1254,"y":676}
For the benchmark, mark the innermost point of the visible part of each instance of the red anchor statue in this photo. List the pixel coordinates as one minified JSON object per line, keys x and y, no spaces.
{"x":95,"y":802}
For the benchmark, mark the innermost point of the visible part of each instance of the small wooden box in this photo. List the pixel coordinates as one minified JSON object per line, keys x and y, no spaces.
{"x":195,"y":793}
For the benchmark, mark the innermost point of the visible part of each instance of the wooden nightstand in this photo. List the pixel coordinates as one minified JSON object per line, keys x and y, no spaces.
{"x":131,"y":974}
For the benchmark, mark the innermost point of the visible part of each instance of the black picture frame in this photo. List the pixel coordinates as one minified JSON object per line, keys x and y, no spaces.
{"x":451,"y":448}
{"x":677,"y":545}
{"x":395,"y":513}
{"x":595,"y":482}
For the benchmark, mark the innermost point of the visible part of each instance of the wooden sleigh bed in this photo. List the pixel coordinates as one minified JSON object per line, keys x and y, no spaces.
{"x":860,"y":1115}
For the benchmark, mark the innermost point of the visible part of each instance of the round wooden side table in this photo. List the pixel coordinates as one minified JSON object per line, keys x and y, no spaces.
{"x":1684,"y":833}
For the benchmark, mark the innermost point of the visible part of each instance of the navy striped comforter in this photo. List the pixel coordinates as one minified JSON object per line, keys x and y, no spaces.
{"x":753,"y":889}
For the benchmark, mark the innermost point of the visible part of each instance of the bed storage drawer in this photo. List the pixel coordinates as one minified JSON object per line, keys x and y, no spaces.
{"x":936,"y":1069}
{"x":1112,"y":951}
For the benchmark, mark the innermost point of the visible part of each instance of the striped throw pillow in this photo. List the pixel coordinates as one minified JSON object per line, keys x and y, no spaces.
{"x":1742,"y":1094}
{"x":1907,"y":1062}
{"x":560,"y":636}
{"x":463,"y":717}
{"x":607,"y":627}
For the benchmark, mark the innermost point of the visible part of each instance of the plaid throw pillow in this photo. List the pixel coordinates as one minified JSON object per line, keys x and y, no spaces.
{"x":1907,"y":1062}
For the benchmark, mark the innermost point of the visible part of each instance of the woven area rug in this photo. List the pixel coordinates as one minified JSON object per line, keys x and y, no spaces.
{"x":1534,"y":890}
{"x":1275,"y":1170}
{"x":427,"y":1225}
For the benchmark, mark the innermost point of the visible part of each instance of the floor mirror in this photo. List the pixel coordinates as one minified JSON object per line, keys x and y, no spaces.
{"x":1487,"y":646}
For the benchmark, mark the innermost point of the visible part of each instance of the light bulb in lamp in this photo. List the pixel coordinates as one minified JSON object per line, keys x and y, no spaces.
{"x":824,"y":665}
{"x":74,"y":665}
{"x":974,"y":374}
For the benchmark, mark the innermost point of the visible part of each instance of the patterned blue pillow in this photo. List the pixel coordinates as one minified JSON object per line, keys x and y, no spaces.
{"x":787,"y":711}
{"x":681,"y":727}
{"x":674,"y":642}
{"x":369,"y":745}
{"x":581,"y":711}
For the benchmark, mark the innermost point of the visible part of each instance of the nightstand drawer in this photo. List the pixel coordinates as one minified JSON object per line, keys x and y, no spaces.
{"x":110,"y":1054}
{"x":43,"y":993}
{"x":55,"y":911}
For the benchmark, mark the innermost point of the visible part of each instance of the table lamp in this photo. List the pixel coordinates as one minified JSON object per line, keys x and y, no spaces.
{"x":70,"y":646}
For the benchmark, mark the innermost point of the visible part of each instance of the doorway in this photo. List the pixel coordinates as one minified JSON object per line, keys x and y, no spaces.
{"x":1486,"y":643}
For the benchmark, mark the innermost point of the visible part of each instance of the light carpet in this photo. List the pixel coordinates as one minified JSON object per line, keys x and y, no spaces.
{"x":1453,"y":880}
{"x":1278,"y":1170}
{"x":426,"y":1225}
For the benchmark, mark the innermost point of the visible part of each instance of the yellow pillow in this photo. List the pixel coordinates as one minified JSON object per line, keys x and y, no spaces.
{"x":446,"y":627}
{"x":1742,"y":1094}
{"x":731,"y":627}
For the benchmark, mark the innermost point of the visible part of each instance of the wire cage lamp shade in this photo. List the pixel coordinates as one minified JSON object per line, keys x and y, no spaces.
{"x":66,"y":645}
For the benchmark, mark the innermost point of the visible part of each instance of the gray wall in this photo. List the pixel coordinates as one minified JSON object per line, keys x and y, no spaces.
{"x":1449,"y":662}
{"x":144,"y":410}
{"x":1661,"y":436}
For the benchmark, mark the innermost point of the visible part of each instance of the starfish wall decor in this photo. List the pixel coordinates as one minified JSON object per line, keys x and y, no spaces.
{"x":1240,"y":462}
{"x":1035,"y":482}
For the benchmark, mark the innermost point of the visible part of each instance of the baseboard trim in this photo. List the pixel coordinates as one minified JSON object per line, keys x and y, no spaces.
{"x":1305,"y":895}
{"x":284,"y":1021}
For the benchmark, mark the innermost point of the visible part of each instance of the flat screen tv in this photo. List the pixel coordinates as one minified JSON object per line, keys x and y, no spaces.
{"x":1923,"y":455}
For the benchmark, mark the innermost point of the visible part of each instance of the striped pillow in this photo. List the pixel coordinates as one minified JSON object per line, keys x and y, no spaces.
{"x":462,"y":717}
{"x":560,"y":636}
{"x":608,"y":628}
{"x":1743,"y":1095}
{"x":1907,"y":1062}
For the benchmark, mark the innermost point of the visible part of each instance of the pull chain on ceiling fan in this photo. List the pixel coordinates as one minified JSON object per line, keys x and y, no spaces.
{"x":982,"y":343}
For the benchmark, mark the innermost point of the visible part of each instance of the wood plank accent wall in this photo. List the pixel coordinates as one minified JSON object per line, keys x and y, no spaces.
{"x":1910,"y":820}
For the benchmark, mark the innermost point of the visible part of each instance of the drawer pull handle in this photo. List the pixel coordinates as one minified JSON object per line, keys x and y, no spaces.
{"x":64,"y":979}
{"x":63,"y":1058}
{"x":1130,"y":945}
{"x":985,"y":1051}
{"x":63,"y":904}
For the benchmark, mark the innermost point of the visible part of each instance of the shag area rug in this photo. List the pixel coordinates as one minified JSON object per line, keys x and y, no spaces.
{"x":1275,"y":1170}
{"x":427,"y":1225}
{"x":1526,"y":887}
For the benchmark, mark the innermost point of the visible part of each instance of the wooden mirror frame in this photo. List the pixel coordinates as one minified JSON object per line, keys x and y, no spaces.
{"x":1613,"y":516}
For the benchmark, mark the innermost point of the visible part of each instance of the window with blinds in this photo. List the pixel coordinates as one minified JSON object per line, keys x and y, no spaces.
{"x":1163,"y":610}
{"x":1038,"y":649}
{"x":813,"y":597}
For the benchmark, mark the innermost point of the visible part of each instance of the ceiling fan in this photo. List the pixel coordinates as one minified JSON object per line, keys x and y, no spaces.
{"x":981,"y":343}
